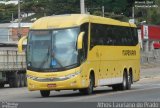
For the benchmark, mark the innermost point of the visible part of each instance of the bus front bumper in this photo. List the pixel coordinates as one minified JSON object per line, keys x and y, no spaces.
{"x":69,"y":84}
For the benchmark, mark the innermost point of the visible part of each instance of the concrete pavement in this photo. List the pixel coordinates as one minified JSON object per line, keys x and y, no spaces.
{"x":150,"y":70}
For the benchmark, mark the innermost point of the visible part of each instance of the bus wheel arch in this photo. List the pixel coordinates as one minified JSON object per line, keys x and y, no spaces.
{"x":89,"y":89}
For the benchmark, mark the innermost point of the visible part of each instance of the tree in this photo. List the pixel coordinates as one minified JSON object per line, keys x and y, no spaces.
{"x":154,"y":14}
{"x":6,"y":12}
{"x":119,"y":9}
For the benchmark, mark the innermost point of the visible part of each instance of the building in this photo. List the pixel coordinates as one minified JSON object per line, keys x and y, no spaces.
{"x":4,"y":32}
{"x":23,"y":30}
{"x":150,"y":37}
{"x":9,"y":31}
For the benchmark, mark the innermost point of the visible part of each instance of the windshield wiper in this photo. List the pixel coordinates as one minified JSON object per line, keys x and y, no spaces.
{"x":58,"y":62}
{"x":53,"y":57}
{"x":70,"y":66}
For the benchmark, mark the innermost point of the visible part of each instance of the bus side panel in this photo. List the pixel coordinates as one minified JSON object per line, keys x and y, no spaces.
{"x":94,"y":62}
{"x":114,"y":59}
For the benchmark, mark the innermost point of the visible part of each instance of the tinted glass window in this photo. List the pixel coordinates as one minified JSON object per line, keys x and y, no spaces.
{"x":113,"y":35}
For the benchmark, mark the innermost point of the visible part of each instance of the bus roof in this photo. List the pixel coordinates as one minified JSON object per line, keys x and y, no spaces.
{"x":73,"y":20}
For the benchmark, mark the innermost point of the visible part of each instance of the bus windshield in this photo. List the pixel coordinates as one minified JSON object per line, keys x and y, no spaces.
{"x":52,"y":50}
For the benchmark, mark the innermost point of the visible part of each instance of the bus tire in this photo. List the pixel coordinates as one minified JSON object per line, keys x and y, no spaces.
{"x":129,"y":81}
{"x":45,"y":93}
{"x":123,"y":86}
{"x":89,"y":89}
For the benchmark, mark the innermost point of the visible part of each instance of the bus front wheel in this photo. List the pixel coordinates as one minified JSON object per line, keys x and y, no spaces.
{"x":45,"y":93}
{"x":89,"y":89}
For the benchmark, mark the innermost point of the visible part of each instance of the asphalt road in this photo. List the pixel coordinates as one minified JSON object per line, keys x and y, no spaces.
{"x":146,"y":90}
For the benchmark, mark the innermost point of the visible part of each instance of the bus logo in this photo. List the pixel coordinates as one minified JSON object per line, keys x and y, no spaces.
{"x":129,"y":52}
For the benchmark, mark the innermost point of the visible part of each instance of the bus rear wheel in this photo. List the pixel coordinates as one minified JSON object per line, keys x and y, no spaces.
{"x":123,"y":85}
{"x":129,"y":81}
{"x":125,"y":82}
{"x":45,"y":93}
{"x":89,"y":89}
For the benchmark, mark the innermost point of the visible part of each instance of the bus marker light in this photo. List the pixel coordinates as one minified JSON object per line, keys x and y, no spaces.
{"x":31,"y":85}
{"x":73,"y":83}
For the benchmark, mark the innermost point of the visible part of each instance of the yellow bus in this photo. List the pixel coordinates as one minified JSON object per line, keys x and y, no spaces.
{"x":81,"y":52}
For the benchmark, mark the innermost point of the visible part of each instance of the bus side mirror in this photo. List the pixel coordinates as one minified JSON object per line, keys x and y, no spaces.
{"x":20,"y":44}
{"x":80,"y":40}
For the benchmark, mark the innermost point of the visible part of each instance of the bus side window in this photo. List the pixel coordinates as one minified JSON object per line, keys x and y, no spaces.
{"x":84,"y":51}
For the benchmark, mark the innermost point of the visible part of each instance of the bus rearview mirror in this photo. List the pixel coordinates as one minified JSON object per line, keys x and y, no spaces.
{"x":80,"y":40}
{"x":20,"y":44}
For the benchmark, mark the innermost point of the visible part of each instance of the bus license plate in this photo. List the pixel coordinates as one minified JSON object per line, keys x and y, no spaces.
{"x":51,"y":85}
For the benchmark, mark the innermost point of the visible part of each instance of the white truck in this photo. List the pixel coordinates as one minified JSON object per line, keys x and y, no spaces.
{"x":12,"y":66}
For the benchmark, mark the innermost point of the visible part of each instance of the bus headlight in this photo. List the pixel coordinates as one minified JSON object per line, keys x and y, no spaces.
{"x":31,"y":77}
{"x":72,"y":75}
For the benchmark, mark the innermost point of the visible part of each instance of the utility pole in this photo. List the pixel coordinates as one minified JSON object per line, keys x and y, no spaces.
{"x":19,"y":20}
{"x":103,"y":11}
{"x":133,"y":12}
{"x":12,"y":17}
{"x":82,"y":6}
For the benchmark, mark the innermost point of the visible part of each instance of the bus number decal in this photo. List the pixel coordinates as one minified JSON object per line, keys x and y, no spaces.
{"x":128,"y":52}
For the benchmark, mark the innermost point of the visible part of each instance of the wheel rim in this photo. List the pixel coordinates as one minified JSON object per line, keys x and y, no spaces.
{"x":124,"y":82}
{"x":129,"y":82}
